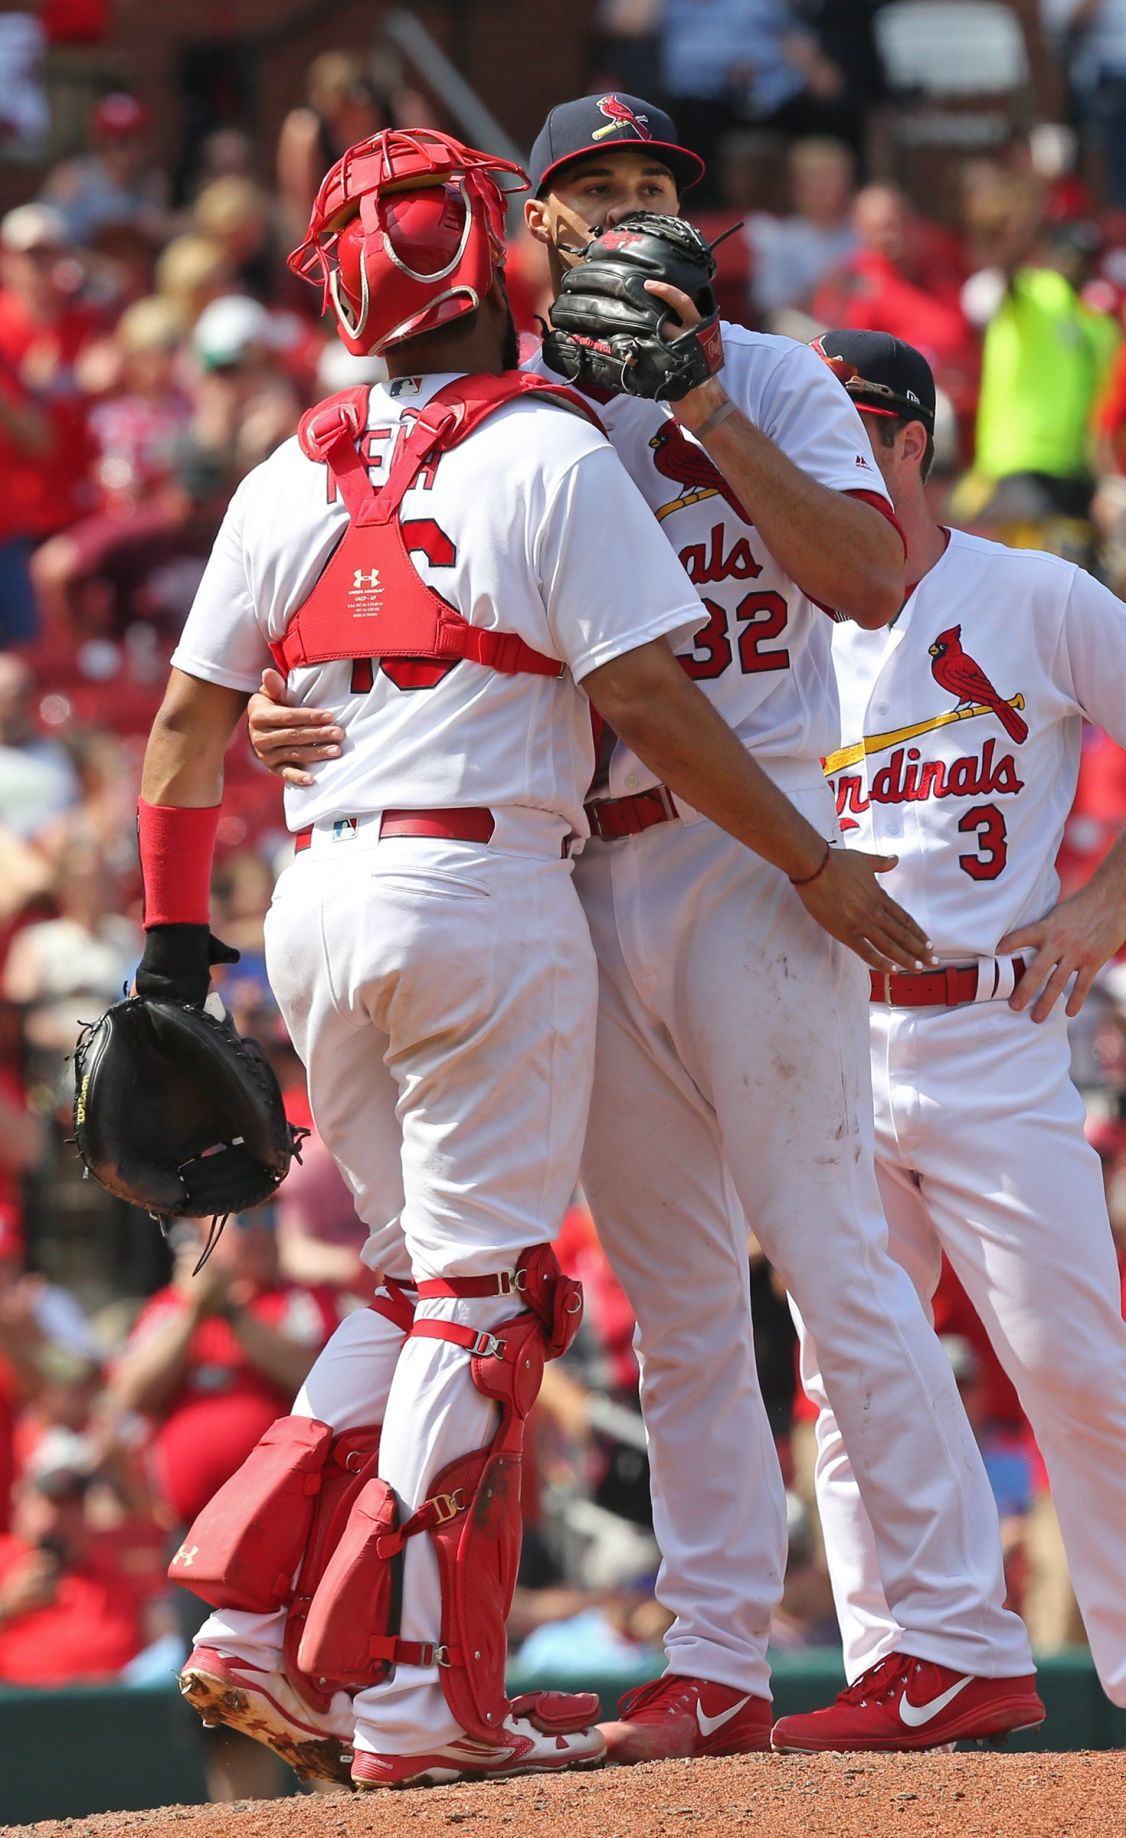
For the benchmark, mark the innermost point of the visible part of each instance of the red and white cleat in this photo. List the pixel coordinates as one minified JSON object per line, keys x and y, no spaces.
{"x":265,"y":1705}
{"x":522,"y":1750}
{"x":674,"y":1718}
{"x":906,"y":1703}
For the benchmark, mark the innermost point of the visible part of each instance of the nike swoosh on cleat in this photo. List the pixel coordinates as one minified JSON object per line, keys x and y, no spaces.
{"x":915,"y":1715}
{"x":709,"y":1725}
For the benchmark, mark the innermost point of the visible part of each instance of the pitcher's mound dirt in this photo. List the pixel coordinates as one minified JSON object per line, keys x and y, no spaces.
{"x":975,"y":1795}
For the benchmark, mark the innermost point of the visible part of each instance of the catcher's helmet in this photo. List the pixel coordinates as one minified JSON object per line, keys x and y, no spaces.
{"x":407,"y":233}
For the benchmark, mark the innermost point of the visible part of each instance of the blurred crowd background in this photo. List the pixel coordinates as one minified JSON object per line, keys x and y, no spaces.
{"x":954,"y":174}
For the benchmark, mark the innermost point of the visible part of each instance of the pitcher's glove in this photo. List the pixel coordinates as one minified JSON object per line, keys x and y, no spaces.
{"x":608,"y":330}
{"x":177,"y":1114}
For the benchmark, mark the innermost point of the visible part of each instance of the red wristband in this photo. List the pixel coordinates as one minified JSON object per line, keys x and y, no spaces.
{"x":176,"y":849}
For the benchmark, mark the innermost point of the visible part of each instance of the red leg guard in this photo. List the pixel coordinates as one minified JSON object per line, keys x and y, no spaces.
{"x":350,"y":1635}
{"x":352,"y":1461}
{"x":478,"y":1548}
{"x":244,"y":1547}
{"x":357,"y":1600}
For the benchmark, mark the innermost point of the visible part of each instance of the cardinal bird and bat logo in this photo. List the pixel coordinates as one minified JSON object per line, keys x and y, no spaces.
{"x":687,"y":465}
{"x":954,"y":670}
{"x":961,"y":676}
{"x":620,"y":115}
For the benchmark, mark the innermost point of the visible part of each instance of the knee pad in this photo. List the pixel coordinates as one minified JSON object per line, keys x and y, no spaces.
{"x":243,"y":1549}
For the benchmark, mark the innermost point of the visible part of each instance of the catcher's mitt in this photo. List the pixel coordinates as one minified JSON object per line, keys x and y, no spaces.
{"x":608,"y":330}
{"x":177,"y":1114}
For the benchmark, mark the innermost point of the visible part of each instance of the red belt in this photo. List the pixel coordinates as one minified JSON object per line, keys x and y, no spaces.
{"x":610,"y":818}
{"x":949,"y":987}
{"x":447,"y":826}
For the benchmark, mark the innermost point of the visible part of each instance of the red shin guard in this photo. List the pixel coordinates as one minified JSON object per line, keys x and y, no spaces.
{"x":472,"y":1515}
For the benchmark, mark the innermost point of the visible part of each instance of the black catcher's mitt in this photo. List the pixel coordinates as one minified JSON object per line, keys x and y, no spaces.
{"x":177,"y":1114}
{"x":608,"y":330}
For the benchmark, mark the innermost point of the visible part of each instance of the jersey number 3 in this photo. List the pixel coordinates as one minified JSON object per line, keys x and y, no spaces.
{"x":992,"y":846}
{"x":762,"y":616}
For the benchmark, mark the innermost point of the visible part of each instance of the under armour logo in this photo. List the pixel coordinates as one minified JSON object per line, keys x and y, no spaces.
{"x":186,"y":1555}
{"x":360,"y":580}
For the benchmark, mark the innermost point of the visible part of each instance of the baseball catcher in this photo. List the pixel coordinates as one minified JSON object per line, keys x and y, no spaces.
{"x":611,"y":332}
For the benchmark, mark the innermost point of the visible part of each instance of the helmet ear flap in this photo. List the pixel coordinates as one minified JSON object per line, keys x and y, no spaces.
{"x":348,"y":287}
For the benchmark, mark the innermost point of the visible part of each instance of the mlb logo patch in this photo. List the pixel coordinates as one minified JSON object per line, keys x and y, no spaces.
{"x":404,"y":386}
{"x":344,"y":829}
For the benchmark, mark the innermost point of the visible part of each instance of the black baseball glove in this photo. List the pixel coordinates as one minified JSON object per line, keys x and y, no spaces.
{"x":608,"y":331}
{"x":177,"y":1114}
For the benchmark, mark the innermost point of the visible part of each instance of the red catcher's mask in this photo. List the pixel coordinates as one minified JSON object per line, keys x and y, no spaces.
{"x":407,"y":233}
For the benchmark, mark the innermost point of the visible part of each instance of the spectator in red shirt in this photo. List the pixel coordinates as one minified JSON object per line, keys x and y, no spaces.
{"x":214,"y":1358}
{"x":903,"y":279}
{"x":25,"y":439}
{"x":43,"y":330}
{"x":64,"y":1619}
{"x":135,"y":434}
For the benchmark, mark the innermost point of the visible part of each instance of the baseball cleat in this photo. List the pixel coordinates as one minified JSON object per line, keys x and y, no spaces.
{"x":906,"y":1703}
{"x":674,"y":1718}
{"x":524,"y":1750}
{"x":265,"y":1706}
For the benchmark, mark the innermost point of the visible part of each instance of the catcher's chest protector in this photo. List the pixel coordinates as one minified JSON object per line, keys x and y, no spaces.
{"x":369,"y":601}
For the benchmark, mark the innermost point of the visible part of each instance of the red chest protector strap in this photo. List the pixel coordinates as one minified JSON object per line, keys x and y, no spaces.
{"x":370,"y":601}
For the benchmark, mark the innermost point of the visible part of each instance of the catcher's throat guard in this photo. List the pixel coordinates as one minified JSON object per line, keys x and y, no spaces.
{"x":177,"y":1114}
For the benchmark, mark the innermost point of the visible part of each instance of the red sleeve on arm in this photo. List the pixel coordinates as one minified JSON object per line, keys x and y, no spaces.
{"x":880,"y":504}
{"x":176,"y":848}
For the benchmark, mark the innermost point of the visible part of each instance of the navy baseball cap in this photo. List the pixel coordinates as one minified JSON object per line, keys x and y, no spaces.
{"x":594,"y":124}
{"x":883,"y":375}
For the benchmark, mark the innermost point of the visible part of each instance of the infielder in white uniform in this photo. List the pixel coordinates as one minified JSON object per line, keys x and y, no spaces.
{"x":731,"y":1075}
{"x":961,"y":725}
{"x":441,"y":562}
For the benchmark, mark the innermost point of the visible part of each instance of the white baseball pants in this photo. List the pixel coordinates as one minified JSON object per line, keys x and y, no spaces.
{"x":732,"y":1084}
{"x":441,"y":996}
{"x":981,"y":1154}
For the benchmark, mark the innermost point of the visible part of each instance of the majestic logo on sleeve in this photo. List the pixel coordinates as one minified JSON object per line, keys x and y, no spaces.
{"x":619,"y":115}
{"x":952,"y":669}
{"x":687,"y":465}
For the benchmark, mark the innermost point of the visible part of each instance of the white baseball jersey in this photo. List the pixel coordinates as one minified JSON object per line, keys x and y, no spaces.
{"x":764,"y":657}
{"x":962,"y":726}
{"x":551,"y":542}
{"x":973,"y":801}
{"x":731,"y":1083}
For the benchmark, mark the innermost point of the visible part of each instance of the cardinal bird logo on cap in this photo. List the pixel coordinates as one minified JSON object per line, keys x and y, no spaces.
{"x":955,"y":671}
{"x":688,"y":466}
{"x":620,"y":115}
